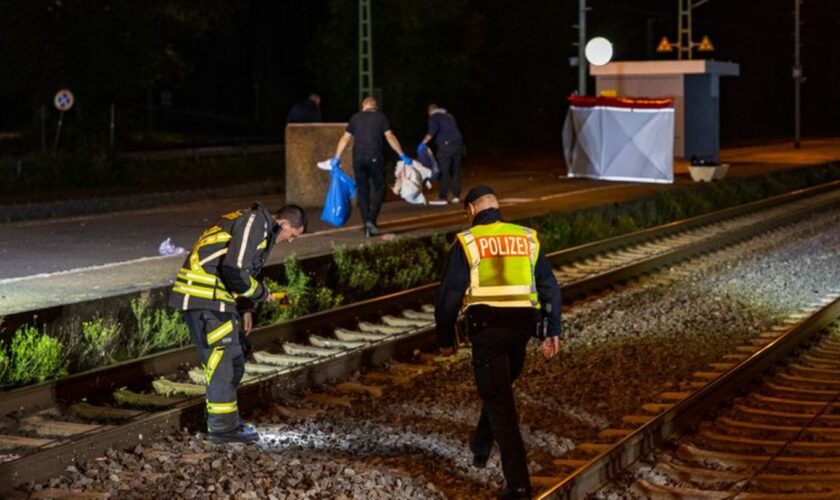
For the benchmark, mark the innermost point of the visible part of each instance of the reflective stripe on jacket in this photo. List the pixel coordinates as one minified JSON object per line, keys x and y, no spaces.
{"x":223,"y":264}
{"x":501,"y":257}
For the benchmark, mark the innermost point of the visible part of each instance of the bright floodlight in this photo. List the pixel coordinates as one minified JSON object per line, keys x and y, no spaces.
{"x":599,"y":51}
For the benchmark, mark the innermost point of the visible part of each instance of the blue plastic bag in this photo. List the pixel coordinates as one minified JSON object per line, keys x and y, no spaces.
{"x":337,"y":204}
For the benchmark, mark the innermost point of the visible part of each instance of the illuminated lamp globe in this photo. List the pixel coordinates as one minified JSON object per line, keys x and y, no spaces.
{"x":599,"y":51}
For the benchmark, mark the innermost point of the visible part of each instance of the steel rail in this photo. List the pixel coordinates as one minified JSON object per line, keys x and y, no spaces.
{"x":623,"y":273}
{"x":135,"y":373}
{"x":608,"y":465}
{"x":131,"y":373}
{"x":450,"y":219}
{"x":617,"y":242}
{"x":44,"y":464}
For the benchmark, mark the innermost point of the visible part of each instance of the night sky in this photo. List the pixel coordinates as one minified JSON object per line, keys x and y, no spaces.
{"x":233,"y":68}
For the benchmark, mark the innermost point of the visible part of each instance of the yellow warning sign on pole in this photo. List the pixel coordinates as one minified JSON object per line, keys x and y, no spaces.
{"x":705,"y":45}
{"x":665,"y":45}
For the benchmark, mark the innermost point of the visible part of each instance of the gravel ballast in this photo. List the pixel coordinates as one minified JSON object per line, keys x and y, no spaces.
{"x":622,"y":348}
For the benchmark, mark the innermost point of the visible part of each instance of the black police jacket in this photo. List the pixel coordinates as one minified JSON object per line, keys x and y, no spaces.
{"x":456,"y":280}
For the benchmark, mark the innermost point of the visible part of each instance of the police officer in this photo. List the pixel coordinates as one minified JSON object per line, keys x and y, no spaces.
{"x":215,"y":283}
{"x":499,"y":274}
{"x":367,"y":128}
{"x":450,"y":146}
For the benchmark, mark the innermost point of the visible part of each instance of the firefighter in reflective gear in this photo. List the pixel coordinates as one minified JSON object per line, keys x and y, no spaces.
{"x":500,"y":277}
{"x":216,"y":288}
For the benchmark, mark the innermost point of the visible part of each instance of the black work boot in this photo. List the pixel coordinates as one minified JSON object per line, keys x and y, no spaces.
{"x":371,"y":229}
{"x":481,"y":452}
{"x":245,"y":433}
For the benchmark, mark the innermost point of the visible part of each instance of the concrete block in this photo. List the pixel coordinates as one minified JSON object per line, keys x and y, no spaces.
{"x":707,"y":173}
{"x":306,"y":145}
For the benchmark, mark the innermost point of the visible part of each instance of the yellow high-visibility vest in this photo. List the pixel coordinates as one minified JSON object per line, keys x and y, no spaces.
{"x":502,"y":258}
{"x":193,"y":279}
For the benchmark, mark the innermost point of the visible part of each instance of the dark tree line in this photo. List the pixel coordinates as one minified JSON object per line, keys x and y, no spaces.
{"x":501,"y":66}
{"x":105,"y":50}
{"x":423,"y":52}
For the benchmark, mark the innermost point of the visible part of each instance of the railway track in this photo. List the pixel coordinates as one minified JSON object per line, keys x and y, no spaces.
{"x":780,"y":439}
{"x":730,"y":438}
{"x":48,"y":426}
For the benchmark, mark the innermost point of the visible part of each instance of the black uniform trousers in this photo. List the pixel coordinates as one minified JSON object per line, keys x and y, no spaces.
{"x":449,"y":160}
{"x":498,"y":348}
{"x":369,"y":170}
{"x":218,"y":338}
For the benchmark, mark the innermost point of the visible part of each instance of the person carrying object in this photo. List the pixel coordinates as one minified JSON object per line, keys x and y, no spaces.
{"x":367,"y":129}
{"x":216,"y":289}
{"x":450,"y":148}
{"x":499,"y":275}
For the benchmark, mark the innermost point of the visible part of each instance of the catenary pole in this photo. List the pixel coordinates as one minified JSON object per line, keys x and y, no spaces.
{"x":365,"y":51}
{"x":581,"y":47}
{"x":797,"y":78}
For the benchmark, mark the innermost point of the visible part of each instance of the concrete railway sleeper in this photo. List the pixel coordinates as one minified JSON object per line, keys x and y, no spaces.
{"x":48,"y":427}
{"x":76,"y":418}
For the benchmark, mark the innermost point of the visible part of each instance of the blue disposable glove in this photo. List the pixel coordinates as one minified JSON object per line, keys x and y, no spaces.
{"x":404,"y":157}
{"x":335,"y":161}
{"x":422,"y":148}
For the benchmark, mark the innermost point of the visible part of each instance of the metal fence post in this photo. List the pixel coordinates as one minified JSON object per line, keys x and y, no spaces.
{"x":58,"y":132}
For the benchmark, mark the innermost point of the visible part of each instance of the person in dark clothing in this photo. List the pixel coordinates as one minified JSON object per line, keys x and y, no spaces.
{"x":306,"y":111}
{"x":216,"y":289}
{"x":369,"y":128}
{"x":450,"y":147}
{"x":499,"y":273}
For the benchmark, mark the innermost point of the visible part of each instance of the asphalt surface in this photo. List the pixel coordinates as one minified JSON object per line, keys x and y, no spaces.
{"x":58,"y":261}
{"x":55,"y":245}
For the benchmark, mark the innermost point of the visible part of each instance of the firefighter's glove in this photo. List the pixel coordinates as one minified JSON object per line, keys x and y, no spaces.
{"x":247,"y":348}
